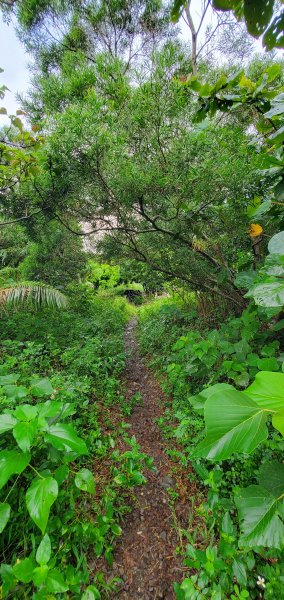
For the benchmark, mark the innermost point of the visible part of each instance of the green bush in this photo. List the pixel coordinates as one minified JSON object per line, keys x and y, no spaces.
{"x":59,"y":376}
{"x":190,"y":359}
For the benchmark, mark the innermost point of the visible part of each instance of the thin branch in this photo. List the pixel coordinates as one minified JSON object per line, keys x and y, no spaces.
{"x":21,"y":218}
{"x":203,"y":15}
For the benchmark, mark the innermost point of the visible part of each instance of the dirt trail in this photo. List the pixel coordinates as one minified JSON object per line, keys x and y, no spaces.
{"x":145,"y":554}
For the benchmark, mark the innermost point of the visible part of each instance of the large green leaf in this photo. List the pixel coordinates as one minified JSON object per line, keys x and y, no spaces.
{"x":271,"y":477}
{"x":43,"y":553}
{"x":40,"y":575}
{"x":41,"y":387}
{"x":39,"y":498}
{"x":268,"y":295}
{"x":267,"y":390}
{"x":51,"y":408}
{"x":198,"y":401}
{"x":15,"y":392}
{"x":234,"y":423}
{"x":225,"y":4}
{"x":278,"y":136}
{"x":276,"y":110}
{"x":245,"y":279}
{"x":8,"y":379}
{"x":6,"y":422}
{"x":278,"y":421}
{"x":259,"y":516}
{"x":55,"y":583}
{"x":274,"y":36}
{"x":12,"y":462}
{"x":84,"y":480}
{"x":268,"y":364}
{"x":23,"y":570}
{"x":276,"y":244}
{"x":5,"y":510}
{"x":239,"y":570}
{"x":26,"y":412}
{"x":24,"y":434}
{"x":63,"y":437}
{"x":274,"y":264}
{"x":91,"y":593}
{"x":257,"y":15}
{"x":7,"y":578}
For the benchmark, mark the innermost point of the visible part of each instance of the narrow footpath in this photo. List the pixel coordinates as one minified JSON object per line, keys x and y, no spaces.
{"x":145,"y":554}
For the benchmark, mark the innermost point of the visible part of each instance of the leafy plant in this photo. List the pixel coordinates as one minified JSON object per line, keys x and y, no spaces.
{"x":56,"y":384}
{"x":268,"y":286}
{"x":39,"y":294}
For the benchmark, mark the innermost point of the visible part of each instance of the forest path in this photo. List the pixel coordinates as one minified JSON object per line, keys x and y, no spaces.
{"x":145,"y":554}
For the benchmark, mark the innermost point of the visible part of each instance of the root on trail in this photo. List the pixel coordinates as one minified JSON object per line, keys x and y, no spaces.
{"x":145,"y":554}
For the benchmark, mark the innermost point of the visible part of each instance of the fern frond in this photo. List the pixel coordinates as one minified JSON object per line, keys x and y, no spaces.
{"x":39,"y":294}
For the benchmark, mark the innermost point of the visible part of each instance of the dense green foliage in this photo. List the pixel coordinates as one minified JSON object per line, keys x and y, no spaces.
{"x":59,"y":386}
{"x":172,"y":168}
{"x":192,"y":357}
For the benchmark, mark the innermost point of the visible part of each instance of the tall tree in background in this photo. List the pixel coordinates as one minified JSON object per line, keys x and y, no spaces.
{"x":262,"y":18}
{"x":123,"y":152}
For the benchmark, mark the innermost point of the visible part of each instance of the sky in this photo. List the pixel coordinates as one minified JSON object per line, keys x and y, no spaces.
{"x":14,"y":61}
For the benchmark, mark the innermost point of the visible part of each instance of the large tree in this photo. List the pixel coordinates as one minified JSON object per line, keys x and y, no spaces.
{"x":129,"y":161}
{"x":124,"y":156}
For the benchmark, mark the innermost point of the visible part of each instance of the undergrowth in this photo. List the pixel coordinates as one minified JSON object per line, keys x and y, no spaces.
{"x":188,"y":356}
{"x":64,"y":485}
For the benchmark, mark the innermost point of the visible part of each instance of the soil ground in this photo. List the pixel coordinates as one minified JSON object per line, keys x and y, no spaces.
{"x":145,"y":555}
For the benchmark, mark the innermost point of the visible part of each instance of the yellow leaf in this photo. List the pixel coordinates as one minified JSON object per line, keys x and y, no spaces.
{"x":198,"y":244}
{"x":246,"y":83}
{"x":255,"y":229}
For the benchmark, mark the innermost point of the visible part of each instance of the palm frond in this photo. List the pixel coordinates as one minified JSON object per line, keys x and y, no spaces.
{"x":39,"y":294}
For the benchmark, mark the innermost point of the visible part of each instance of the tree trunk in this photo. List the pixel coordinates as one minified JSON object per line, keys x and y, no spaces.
{"x":193,"y":38}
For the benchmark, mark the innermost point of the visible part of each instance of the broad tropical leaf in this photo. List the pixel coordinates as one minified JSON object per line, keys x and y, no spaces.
{"x":26,"y":412}
{"x":23,"y":570}
{"x":84,"y":480}
{"x":234,"y":423}
{"x":41,"y":387}
{"x":91,"y":593}
{"x":55,"y":583}
{"x":24,"y":433}
{"x":12,"y":462}
{"x":259,"y":514}
{"x":258,"y":15}
{"x":271,"y":477}
{"x":199,"y":400}
{"x":269,"y":295}
{"x":278,"y":421}
{"x":276,"y":244}
{"x":6,"y":422}
{"x":63,"y":437}
{"x":239,"y":570}
{"x":267,"y":390}
{"x":15,"y":392}
{"x":8,"y":379}
{"x":274,"y":37}
{"x":39,"y":498}
{"x":43,"y":553}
